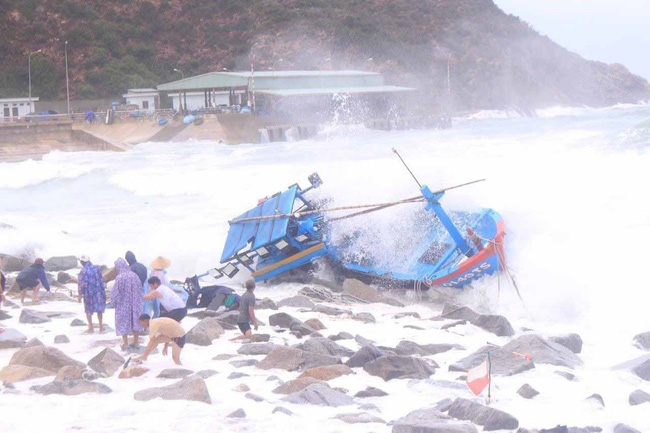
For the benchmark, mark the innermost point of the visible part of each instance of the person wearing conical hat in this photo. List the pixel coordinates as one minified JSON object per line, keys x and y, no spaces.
{"x":159,"y":266}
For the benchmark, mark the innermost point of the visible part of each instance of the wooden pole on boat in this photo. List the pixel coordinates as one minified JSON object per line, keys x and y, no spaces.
{"x":407,"y":167}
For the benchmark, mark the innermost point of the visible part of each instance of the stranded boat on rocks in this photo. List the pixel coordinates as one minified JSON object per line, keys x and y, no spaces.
{"x":287,"y":232}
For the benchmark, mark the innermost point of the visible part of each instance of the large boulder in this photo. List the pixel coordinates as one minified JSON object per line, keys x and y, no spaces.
{"x":356,"y":289}
{"x":302,"y":329}
{"x":431,"y":420}
{"x":331,"y":311}
{"x":11,"y":339}
{"x":504,"y":363}
{"x":33,"y":317}
{"x":643,"y":370}
{"x":527,"y":391}
{"x":367,"y":353}
{"x":297,"y":301}
{"x":642,"y":341}
{"x":408,"y":348}
{"x":320,"y":395}
{"x":255,"y":348}
{"x":497,"y":325}
{"x":573,"y":342}
{"x":14,"y":264}
{"x":283,"y":358}
{"x":283,"y":320}
{"x":543,"y":351}
{"x":489,"y":418}
{"x":371,"y":392}
{"x":312,"y":360}
{"x":325,"y":346}
{"x":400,"y":367}
{"x":174,"y":373}
{"x":106,"y":362}
{"x":47,"y":358}
{"x":638,"y":397}
{"x":327,"y":372}
{"x":296,"y":385}
{"x":4,"y":315}
{"x":70,"y":372}
{"x":54,"y":264}
{"x":204,"y":332}
{"x":132,"y":371}
{"x":364,"y":317}
{"x":265,"y":304}
{"x":191,"y":388}
{"x":315,"y":324}
{"x":72,"y":387}
{"x":19,"y":373}
{"x":622,"y":428}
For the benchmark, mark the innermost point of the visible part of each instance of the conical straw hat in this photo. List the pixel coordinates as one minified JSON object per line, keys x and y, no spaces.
{"x":161,"y":263}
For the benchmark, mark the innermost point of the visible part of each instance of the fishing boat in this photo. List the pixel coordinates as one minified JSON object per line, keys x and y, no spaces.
{"x":287,"y":232}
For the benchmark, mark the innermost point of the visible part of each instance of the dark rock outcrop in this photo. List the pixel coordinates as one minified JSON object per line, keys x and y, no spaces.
{"x":489,"y":418}
{"x":400,"y":367}
{"x":573,"y":342}
{"x":191,"y":388}
{"x":430,"y":420}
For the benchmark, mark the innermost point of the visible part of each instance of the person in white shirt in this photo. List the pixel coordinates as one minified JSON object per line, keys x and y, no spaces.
{"x":171,"y":303}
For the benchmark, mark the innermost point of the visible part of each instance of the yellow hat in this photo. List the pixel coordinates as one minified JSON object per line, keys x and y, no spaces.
{"x":161,"y":263}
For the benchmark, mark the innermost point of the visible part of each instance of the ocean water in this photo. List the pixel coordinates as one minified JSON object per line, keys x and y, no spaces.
{"x":571,"y":185}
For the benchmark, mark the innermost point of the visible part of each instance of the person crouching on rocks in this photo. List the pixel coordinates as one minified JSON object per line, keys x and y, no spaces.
{"x":93,"y":291}
{"x":32,"y":278}
{"x":172,"y":304}
{"x":163,"y":330}
{"x":247,"y":312}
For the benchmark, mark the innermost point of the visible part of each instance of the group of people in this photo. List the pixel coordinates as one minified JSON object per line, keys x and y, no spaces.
{"x":142,"y":301}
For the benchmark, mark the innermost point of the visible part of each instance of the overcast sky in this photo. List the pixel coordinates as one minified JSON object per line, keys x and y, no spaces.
{"x":612,"y":31}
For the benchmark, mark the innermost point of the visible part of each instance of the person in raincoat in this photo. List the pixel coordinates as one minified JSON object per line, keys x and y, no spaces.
{"x":127,"y":299}
{"x":93,"y":292}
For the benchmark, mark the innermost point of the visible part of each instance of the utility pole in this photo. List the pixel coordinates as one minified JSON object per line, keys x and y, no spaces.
{"x":29,"y":73}
{"x":253,"y":79}
{"x":67,"y":85}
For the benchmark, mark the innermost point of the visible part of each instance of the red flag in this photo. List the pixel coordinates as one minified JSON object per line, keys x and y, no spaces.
{"x":479,"y":377}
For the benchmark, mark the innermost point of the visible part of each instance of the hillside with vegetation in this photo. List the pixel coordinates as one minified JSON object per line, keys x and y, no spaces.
{"x":495,"y":60}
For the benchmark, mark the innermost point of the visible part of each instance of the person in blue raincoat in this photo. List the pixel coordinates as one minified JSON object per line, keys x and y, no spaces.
{"x":32,"y":278}
{"x":93,"y":292}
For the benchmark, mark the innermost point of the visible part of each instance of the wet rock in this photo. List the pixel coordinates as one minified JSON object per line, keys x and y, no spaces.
{"x":107,"y":362}
{"x":34,"y":342}
{"x":70,"y":372}
{"x":283,"y":320}
{"x":260,"y":338}
{"x":315,"y":324}
{"x":408,"y":348}
{"x":371,"y":392}
{"x":330,"y":311}
{"x":643,"y":370}
{"x":565,"y":374}
{"x":638,"y":397}
{"x":642,"y":341}
{"x":72,"y":387}
{"x":297,"y":301}
{"x":497,"y":325}
{"x":47,"y":358}
{"x":358,"y":418}
{"x":242,"y":387}
{"x":312,"y":360}
{"x":573,"y":342}
{"x":364,"y":317}
{"x":320,"y":395}
{"x":244,"y":363}
{"x":400,"y":367}
{"x":597,"y":399}
{"x":4,"y":315}
{"x":19,"y":373}
{"x":454,"y":323}
{"x":543,"y":351}
{"x":223,"y":357}
{"x":228,"y":320}
{"x":622,"y":428}
{"x":63,"y":277}
{"x":205,"y":374}
{"x":365,"y":355}
{"x":237,"y":375}
{"x":254,"y":397}
{"x":265,"y":304}
{"x":359,"y":290}
{"x":174,"y":373}
{"x":341,"y":336}
{"x":406,"y":314}
{"x":132,"y":371}
{"x":302,"y":330}
{"x":204,"y":332}
{"x":490,"y":419}
{"x":430,"y":420}
{"x":283,"y":410}
{"x":296,"y":385}
{"x":327,"y":372}
{"x":444,"y":405}
{"x":63,"y":263}
{"x":12,"y":339}
{"x":281,"y":357}
{"x":33,"y":317}
{"x":61,"y":339}
{"x":256,"y":348}
{"x":239,"y":413}
{"x":503,"y":362}
{"x":191,"y":388}
{"x":14,"y":264}
{"x":362,"y":340}
{"x":325,"y":346}
{"x":527,"y":391}
{"x":78,"y":322}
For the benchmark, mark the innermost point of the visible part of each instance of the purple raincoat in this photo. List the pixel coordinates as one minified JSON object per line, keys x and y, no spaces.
{"x":127,"y":298}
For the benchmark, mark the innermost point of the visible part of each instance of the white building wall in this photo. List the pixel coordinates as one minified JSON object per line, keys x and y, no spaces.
{"x":12,"y":109}
{"x":196,"y":100}
{"x":140,"y":100}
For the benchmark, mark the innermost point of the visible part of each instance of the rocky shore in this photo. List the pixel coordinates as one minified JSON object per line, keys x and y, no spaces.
{"x":345,"y":359}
